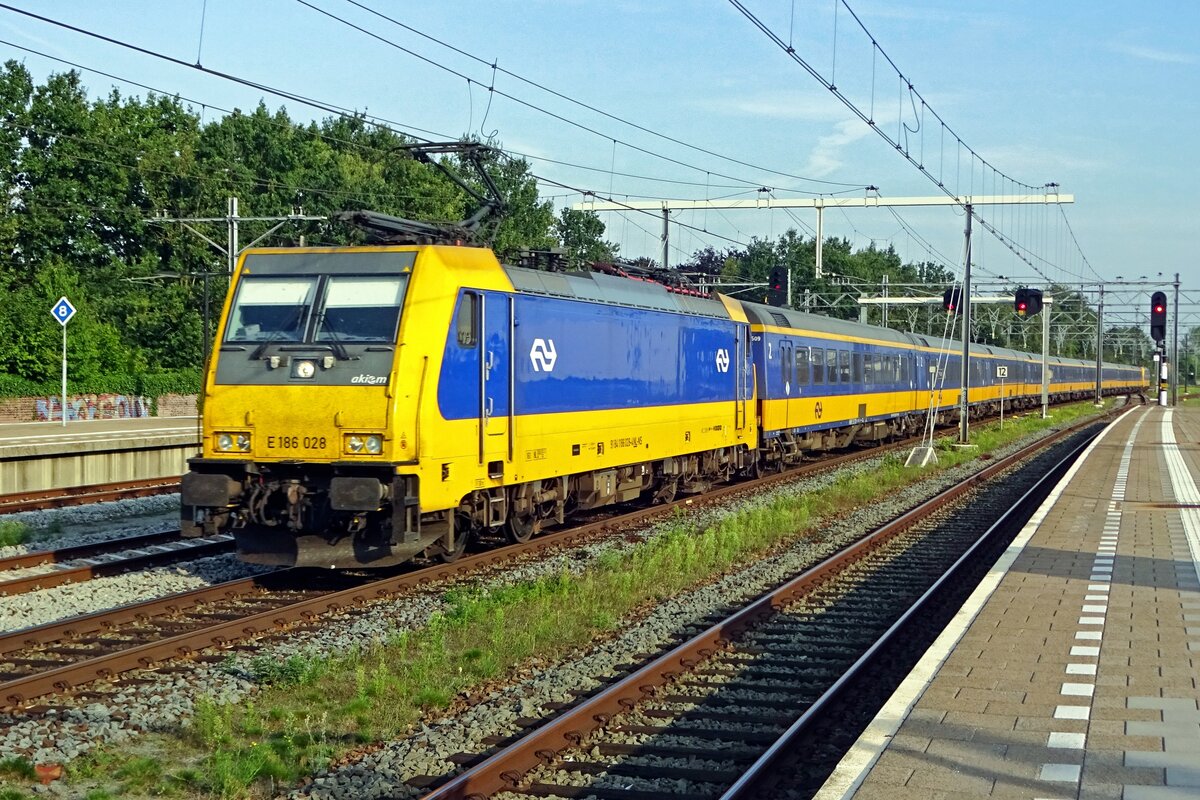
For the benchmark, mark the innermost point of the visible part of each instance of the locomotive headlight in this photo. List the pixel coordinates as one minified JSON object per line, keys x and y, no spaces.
{"x":304,"y":368}
{"x":364,"y":443}
{"x":233,"y":442}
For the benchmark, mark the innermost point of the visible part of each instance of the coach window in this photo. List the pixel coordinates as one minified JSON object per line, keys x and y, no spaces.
{"x":466,"y":320}
{"x":818,"y":365}
{"x":844,"y":361}
{"x":831,"y":368}
{"x":858,"y":367}
{"x":869,"y":369}
{"x":802,"y":366}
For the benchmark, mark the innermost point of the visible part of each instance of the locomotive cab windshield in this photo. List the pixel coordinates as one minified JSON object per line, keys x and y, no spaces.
{"x":336,"y":309}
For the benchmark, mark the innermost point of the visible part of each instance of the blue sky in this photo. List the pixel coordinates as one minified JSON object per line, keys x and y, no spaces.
{"x":1099,"y":97}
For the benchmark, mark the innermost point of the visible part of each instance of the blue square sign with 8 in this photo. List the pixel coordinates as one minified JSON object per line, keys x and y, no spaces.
{"x":63,"y":311}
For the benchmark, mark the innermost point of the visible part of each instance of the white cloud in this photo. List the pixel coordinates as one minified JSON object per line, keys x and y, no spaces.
{"x":1033,"y":163}
{"x":1153,"y":54}
{"x":791,"y":105}
{"x":825,"y":158}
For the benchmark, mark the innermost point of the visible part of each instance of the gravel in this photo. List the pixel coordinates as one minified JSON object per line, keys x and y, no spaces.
{"x":160,"y":701}
{"x":74,"y":599}
{"x":76,"y":525}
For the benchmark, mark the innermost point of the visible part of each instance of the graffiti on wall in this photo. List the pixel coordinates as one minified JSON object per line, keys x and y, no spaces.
{"x":93,"y":406}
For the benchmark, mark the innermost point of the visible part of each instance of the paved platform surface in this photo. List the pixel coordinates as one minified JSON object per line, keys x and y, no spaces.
{"x":1074,"y":670}
{"x":39,"y":439}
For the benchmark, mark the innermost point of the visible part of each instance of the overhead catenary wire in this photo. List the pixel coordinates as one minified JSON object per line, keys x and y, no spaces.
{"x":401,"y":128}
{"x":372,"y":121}
{"x":577,"y":102}
{"x":907,"y":89}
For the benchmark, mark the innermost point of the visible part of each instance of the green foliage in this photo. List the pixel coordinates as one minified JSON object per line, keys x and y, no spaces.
{"x":85,"y":178}
{"x":151,"y":385}
{"x":581,"y":234}
{"x":17,"y":767}
{"x":289,"y":672}
{"x":11,"y":533}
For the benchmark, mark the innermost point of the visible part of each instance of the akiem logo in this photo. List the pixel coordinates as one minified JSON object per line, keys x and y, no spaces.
{"x":371,"y":380}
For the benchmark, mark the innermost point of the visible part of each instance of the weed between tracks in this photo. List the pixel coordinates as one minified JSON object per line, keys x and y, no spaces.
{"x":13,"y":532}
{"x":311,"y":711}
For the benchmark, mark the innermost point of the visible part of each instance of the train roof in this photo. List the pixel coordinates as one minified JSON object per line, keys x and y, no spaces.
{"x":800,"y":320}
{"x":597,"y":287}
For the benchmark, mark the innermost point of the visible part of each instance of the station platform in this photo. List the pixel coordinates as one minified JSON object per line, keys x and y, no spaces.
{"x":1074,"y":670}
{"x":37,"y":456}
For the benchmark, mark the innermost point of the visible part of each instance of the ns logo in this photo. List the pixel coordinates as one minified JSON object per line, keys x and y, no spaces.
{"x":722,"y":360}
{"x":543,"y":355}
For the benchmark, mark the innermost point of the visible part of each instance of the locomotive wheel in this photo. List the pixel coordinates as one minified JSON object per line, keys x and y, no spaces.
{"x":520,"y":528}
{"x":462,"y":538}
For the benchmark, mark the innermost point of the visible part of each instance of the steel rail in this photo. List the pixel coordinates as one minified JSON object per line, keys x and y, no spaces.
{"x":745,"y":785}
{"x":36,"y":558}
{"x":45,"y":580}
{"x":107,"y":620}
{"x":504,"y":770}
{"x":81,"y":495}
{"x":21,"y":690}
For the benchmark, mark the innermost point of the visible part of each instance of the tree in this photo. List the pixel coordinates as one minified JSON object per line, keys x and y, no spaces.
{"x":581,"y":234}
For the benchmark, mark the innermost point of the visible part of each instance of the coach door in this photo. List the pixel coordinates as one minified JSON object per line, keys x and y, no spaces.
{"x":496,"y":383}
{"x":741,"y":363}
{"x":787,"y":379}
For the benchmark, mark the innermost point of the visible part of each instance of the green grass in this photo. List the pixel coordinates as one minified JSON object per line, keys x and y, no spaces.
{"x":13,"y":532}
{"x":311,"y":710}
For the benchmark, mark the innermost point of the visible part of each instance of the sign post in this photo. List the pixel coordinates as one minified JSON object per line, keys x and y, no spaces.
{"x":1002,"y":374}
{"x":63,"y":311}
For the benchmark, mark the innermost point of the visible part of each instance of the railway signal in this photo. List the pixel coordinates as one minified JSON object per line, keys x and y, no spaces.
{"x":952,"y":298}
{"x":1158,"y":316}
{"x":777,"y":287}
{"x":1027,"y":302}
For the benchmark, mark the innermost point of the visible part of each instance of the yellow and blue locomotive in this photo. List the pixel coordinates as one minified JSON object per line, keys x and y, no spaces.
{"x":367,"y":405}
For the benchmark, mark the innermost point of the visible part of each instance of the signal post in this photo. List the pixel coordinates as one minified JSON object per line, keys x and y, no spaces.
{"x":1158,"y":332}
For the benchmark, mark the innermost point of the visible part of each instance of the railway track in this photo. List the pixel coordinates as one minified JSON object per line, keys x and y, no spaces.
{"x":102,"y":559}
{"x":82,"y":495}
{"x":720,"y":714}
{"x":64,"y":656}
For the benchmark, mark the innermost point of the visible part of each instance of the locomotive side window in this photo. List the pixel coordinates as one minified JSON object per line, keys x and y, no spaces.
{"x":465,"y":320}
{"x":818,"y":365}
{"x":802,"y":366}
{"x":270,"y":309}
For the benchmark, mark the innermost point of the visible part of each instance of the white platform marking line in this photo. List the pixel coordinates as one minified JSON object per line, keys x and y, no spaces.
{"x":1183,"y":486}
{"x":1092,"y":615}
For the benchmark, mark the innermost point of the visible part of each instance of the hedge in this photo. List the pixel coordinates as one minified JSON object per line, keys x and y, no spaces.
{"x":152,"y":385}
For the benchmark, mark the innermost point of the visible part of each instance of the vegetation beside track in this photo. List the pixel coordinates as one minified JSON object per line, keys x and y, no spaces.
{"x":312,"y":711}
{"x":13,"y":533}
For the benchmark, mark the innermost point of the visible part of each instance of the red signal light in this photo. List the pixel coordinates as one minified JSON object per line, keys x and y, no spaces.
{"x":1159,"y":309}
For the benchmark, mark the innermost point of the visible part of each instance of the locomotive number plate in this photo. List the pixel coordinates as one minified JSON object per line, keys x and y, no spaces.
{"x":295,"y":444}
